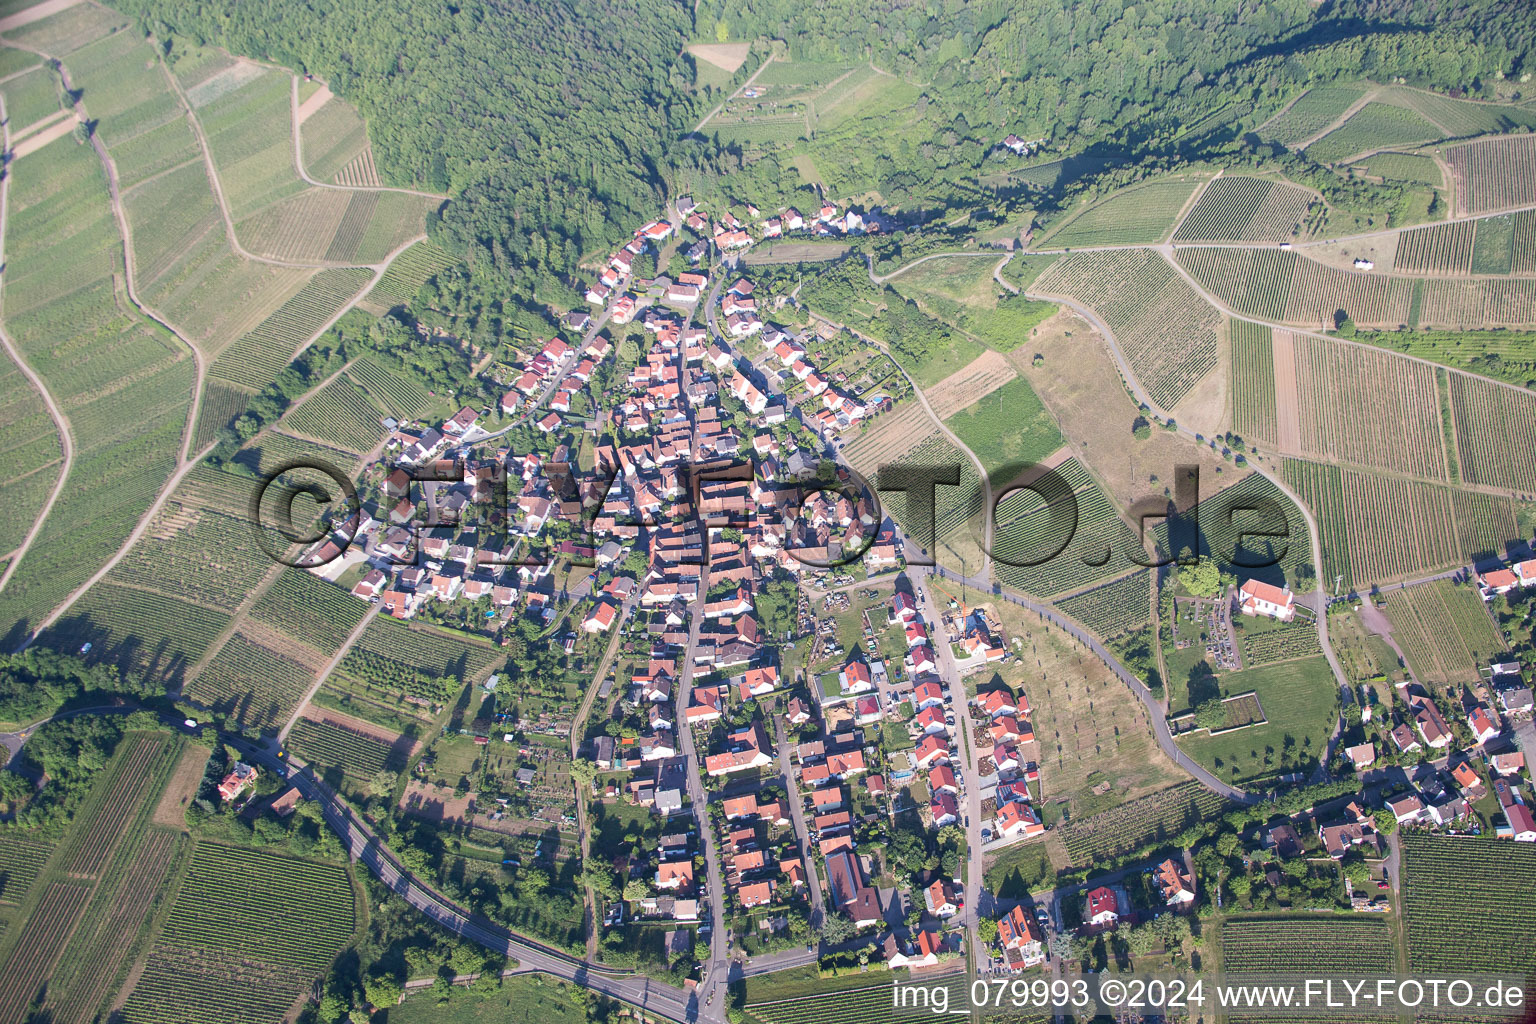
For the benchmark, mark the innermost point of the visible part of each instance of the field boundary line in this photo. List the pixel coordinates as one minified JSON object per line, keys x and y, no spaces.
{"x":60,"y":421}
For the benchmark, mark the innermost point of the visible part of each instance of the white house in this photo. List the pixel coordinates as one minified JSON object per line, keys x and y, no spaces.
{"x":1258,"y":598}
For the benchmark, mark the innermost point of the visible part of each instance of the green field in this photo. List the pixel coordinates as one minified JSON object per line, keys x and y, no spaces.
{"x":1145,"y":213}
{"x":528,"y":999}
{"x":1298,"y":698}
{"x":1008,"y":427}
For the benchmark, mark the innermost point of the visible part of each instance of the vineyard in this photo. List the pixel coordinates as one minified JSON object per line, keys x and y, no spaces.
{"x":342,"y":414}
{"x":1226,"y":518}
{"x":1131,"y":826}
{"x":1457,"y":904}
{"x":333,"y":137}
{"x":1272,"y":284}
{"x":406,"y":275}
{"x":1169,"y":334}
{"x":249,"y":132}
{"x":1315,"y":110}
{"x":1141,"y":214}
{"x":1295,"y":639}
{"x":391,"y":660}
{"x":41,"y":940}
{"x":305,"y":607}
{"x":1446,"y":634}
{"x":114,"y":801}
{"x":857,"y":1002}
{"x":1487,"y":302}
{"x":137,"y":630}
{"x":248,"y":930}
{"x":270,"y":449}
{"x":256,"y":684}
{"x":1523,"y":242}
{"x":20,"y":862}
{"x":1097,"y":550}
{"x":889,"y":438}
{"x":198,"y":555}
{"x":1235,"y":209}
{"x":953,"y":505}
{"x":1373,"y":126}
{"x":403,"y":398}
{"x":1409,"y":167}
{"x":1115,"y":608}
{"x":1329,"y":945}
{"x":112,"y":923}
{"x":1403,"y":433}
{"x":1253,"y":381}
{"x":1495,"y":433}
{"x":1375,"y":529}
{"x":1436,"y":250}
{"x":355,"y":753}
{"x":258,"y":357}
{"x":1494,"y":173}
{"x":219,"y":406}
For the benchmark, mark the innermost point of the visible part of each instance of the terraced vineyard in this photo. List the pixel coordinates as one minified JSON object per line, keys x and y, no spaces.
{"x":1237,"y":209}
{"x":357,"y":754}
{"x":248,"y":930}
{"x":1297,"y":639}
{"x":341,"y":414}
{"x":1444,"y":630}
{"x":1169,"y":334}
{"x":1456,"y":903}
{"x":1329,"y":945}
{"x":1495,"y":433}
{"x":1253,"y":381}
{"x":1114,"y":609}
{"x":1130,"y":826}
{"x":1315,"y":110}
{"x":1375,"y":529}
{"x":1494,"y":173}
{"x":1024,"y":531}
{"x":1437,"y":250}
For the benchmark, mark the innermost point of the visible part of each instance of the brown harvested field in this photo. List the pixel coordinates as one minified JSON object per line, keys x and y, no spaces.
{"x":890,"y":437}
{"x":725,"y":56}
{"x":435,"y":803}
{"x":335,"y":718}
{"x":1080,"y":385}
{"x":171,"y":811}
{"x":969,"y":384}
{"x":1287,"y":415}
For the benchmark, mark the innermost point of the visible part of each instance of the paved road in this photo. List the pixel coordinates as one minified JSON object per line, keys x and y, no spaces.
{"x":802,"y":832}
